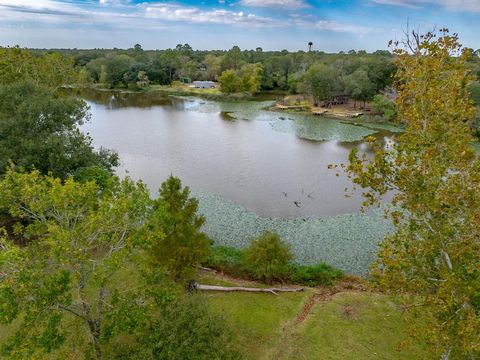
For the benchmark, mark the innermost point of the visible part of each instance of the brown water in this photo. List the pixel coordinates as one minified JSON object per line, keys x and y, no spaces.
{"x":272,"y":173}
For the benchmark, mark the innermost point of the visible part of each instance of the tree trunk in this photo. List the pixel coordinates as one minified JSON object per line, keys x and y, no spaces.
{"x":245,"y":289}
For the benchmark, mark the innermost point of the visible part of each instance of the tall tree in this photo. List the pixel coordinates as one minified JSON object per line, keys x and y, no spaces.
{"x":62,"y":284}
{"x":38,"y":129}
{"x":230,"y":82}
{"x":319,"y":82}
{"x":359,"y":86}
{"x":434,"y":254}
{"x":179,"y":244}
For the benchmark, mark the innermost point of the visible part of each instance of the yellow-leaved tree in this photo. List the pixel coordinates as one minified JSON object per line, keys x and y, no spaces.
{"x":433,"y":257}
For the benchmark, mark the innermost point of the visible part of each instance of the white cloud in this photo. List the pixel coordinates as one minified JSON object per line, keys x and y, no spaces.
{"x":123,"y":14}
{"x":457,"y":5}
{"x":288,"y":4}
{"x":341,"y":27}
{"x":171,"y":12}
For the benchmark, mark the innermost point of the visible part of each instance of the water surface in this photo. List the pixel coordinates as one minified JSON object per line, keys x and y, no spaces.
{"x":270,"y":163}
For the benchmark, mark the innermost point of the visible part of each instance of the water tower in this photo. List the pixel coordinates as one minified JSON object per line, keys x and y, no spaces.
{"x":310,"y":44}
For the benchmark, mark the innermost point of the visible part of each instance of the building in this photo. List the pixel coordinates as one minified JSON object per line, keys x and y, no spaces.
{"x":204,"y":84}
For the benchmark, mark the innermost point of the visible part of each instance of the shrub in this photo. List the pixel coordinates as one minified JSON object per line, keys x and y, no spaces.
{"x":228,"y":260}
{"x":320,"y":274}
{"x":385,"y":107}
{"x":267,"y":258}
{"x":230,"y":82}
{"x":184,"y":329}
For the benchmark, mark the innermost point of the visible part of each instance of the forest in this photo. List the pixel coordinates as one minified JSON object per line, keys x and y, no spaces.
{"x":93,"y":266}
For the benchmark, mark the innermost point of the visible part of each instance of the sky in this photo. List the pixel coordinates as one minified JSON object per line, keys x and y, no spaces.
{"x":220,"y":24}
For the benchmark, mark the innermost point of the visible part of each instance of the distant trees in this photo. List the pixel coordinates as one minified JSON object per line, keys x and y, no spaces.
{"x":248,"y":79}
{"x":53,"y":69}
{"x":384,"y":107}
{"x":230,"y":82}
{"x":359,"y":87}
{"x":280,"y":69}
{"x":319,"y":82}
{"x":233,"y":59}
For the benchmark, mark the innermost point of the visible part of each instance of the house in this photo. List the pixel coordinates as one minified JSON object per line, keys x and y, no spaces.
{"x":204,"y":84}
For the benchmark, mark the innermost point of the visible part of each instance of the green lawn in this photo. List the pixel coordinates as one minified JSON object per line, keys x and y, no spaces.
{"x":351,"y":325}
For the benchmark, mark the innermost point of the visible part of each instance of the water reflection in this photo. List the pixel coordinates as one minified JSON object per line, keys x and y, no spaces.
{"x":274,"y":174}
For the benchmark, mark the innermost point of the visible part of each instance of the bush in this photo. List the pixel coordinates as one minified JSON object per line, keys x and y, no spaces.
{"x":385,"y":107}
{"x":268,"y":257}
{"x":184,"y":329}
{"x":320,"y":274}
{"x":234,"y":262}
{"x":228,"y":260}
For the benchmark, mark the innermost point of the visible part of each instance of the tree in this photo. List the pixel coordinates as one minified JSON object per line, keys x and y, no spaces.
{"x":213,"y":64}
{"x":359,"y":87}
{"x":319,"y":82}
{"x":268,"y":257}
{"x":65,"y":285}
{"x":116,"y":67}
{"x":385,"y":107}
{"x":435,"y":175}
{"x":230,"y":82}
{"x":251,"y":77}
{"x":233,"y":59}
{"x":38,"y":129}
{"x":179,"y":244}
{"x":19,"y":65}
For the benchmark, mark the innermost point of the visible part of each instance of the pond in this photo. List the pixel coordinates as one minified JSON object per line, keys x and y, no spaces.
{"x":252,"y":169}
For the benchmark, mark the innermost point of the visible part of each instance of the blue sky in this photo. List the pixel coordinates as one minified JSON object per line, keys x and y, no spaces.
{"x":220,"y":24}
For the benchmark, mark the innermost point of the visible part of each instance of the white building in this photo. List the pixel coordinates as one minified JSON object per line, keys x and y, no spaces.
{"x":204,"y":84}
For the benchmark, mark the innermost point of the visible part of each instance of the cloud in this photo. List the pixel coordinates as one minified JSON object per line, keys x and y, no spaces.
{"x":341,"y":27}
{"x":123,"y":14}
{"x":286,"y":4}
{"x":456,"y":5}
{"x":196,"y":15}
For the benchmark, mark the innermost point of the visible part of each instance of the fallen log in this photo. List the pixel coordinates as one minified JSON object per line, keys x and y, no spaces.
{"x":273,"y":291}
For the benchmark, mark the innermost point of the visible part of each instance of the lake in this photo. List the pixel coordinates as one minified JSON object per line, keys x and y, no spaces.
{"x":252,"y":169}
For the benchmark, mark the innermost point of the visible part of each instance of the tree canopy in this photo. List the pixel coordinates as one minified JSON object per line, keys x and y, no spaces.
{"x":39,"y":130}
{"x":434,"y":174}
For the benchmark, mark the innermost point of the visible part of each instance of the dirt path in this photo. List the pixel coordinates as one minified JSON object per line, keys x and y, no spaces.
{"x":326,"y":294}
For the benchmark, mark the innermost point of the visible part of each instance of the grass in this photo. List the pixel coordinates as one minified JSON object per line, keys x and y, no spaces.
{"x":350,"y":325}
{"x":357,"y":326}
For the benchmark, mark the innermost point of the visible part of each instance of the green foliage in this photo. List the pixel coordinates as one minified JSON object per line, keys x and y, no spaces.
{"x":186,"y":329}
{"x":251,"y":75}
{"x":81,"y":240}
{"x":319,"y":82}
{"x":233,"y":262}
{"x":358,"y":86}
{"x":317,"y":275}
{"x":230,"y":82}
{"x":228,"y":260}
{"x":435,"y":175}
{"x":39,"y":130}
{"x":268,"y":257}
{"x":52,"y":69}
{"x":474,"y":89}
{"x":385,"y":107}
{"x":179,"y":245}
{"x":233,"y":59}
